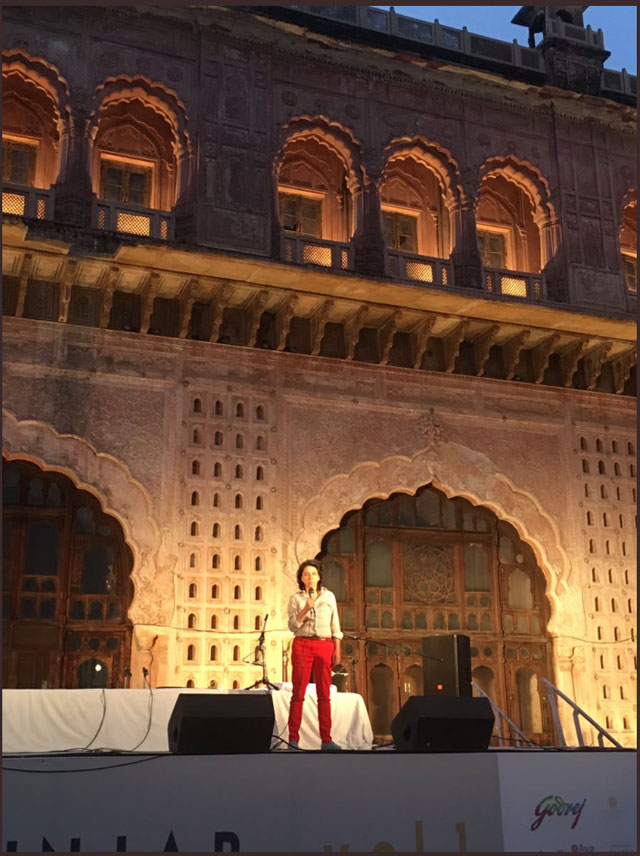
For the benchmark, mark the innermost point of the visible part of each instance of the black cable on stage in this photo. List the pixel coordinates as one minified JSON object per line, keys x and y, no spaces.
{"x":88,"y":769}
{"x":103,"y":697}
{"x":145,"y":674}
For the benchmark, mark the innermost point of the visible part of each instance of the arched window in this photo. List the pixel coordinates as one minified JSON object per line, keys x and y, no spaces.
{"x":598,"y":445}
{"x":238,"y":471}
{"x":240,"y":410}
{"x":258,"y":593}
{"x":630,"y":449}
{"x":236,"y":652}
{"x":587,"y":492}
{"x":191,"y":652}
{"x":216,"y":500}
{"x":190,"y":683}
{"x":192,"y":560}
{"x":605,"y":519}
{"x":596,"y":604}
{"x":214,"y":625}
{"x":616,"y":469}
{"x":213,"y":652}
{"x":585,"y":466}
{"x":257,"y":623}
{"x":239,"y":441}
{"x":218,"y":409}
{"x":614,"y":606}
{"x":191,"y":621}
{"x":194,"y":528}
{"x":237,"y":563}
{"x":218,"y":439}
{"x":238,"y":500}
{"x":259,"y":503}
{"x":196,"y":437}
{"x":195,"y":499}
{"x":215,"y":532}
{"x":257,"y":564}
{"x":260,"y":413}
{"x":195,"y":468}
{"x":583,"y":444}
{"x":237,"y":532}
{"x":259,"y":474}
{"x":193,"y":590}
{"x":237,"y":593}
{"x":236,"y":622}
{"x":594,"y":575}
{"x":589,"y":518}
{"x":603,"y":492}
{"x":529,"y":701}
{"x":258,"y":533}
{"x":217,"y":470}
{"x":614,"y":447}
{"x":215,"y":561}
{"x":215,"y":591}
{"x":197,"y":405}
{"x":260,"y":443}
{"x":601,"y":468}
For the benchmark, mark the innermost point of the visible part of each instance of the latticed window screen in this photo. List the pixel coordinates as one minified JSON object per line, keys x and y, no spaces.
{"x":630,"y":272}
{"x":126,"y":183}
{"x":493,"y":249}
{"x":400,"y":232}
{"x":18,"y":162}
{"x":135,"y":224}
{"x":513,"y":286}
{"x":13,"y":203}
{"x":301,"y":214}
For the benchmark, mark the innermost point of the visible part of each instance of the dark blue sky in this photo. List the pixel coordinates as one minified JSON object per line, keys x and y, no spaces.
{"x":618,"y":23}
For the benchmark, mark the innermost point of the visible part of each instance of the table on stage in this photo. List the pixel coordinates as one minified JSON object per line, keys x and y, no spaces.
{"x":64,"y":720}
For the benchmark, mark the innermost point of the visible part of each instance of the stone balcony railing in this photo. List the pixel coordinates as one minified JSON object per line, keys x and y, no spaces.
{"x":130,"y":220}
{"x":510,"y":283}
{"x":31,"y":202}
{"x":422,"y":269}
{"x":304,"y":250}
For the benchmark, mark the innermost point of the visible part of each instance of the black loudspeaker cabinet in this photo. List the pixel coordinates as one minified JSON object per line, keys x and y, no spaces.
{"x":443,"y":724}
{"x":446,"y":664}
{"x":220,"y":724}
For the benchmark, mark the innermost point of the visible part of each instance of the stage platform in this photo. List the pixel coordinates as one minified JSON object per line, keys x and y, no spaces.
{"x":498,"y":801}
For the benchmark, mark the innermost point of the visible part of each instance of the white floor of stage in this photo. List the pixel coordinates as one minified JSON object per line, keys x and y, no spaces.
{"x":66,"y":720}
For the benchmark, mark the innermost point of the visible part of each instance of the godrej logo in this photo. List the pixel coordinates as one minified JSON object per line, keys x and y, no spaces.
{"x":556,"y":805}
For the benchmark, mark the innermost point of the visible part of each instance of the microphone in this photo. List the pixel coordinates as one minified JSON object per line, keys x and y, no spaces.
{"x":311,"y":593}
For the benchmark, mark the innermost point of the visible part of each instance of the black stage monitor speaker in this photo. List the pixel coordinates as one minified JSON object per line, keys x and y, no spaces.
{"x":443,"y":724}
{"x":446,"y":665}
{"x":219,"y":724}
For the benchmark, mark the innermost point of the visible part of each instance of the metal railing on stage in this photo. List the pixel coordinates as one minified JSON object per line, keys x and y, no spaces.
{"x":577,"y":713}
{"x":502,"y":718}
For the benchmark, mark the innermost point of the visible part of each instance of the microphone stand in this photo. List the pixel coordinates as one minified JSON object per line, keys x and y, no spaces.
{"x":260,"y":660}
{"x":392,"y":648}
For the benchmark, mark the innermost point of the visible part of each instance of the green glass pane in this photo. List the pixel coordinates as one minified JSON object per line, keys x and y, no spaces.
{"x":378,"y":565}
{"x":476,"y":568}
{"x":387,"y":619}
{"x":421,"y":621}
{"x":486,"y":623}
{"x":507,"y":623}
{"x":453,"y":622}
{"x":373,"y":597}
{"x":348,"y":618}
{"x":387,"y":597}
{"x":407,"y":623}
{"x":439,"y":621}
{"x":373,"y":618}
{"x":472,"y":621}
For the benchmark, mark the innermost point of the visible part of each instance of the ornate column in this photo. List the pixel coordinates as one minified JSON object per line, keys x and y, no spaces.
{"x":467,"y":264}
{"x":369,"y":249}
{"x":73,"y":193}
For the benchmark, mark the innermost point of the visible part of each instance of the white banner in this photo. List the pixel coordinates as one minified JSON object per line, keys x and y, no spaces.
{"x":572,"y":801}
{"x":313,"y":802}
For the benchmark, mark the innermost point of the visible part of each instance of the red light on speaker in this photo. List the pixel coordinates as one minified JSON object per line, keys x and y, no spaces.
{"x":439,"y":687}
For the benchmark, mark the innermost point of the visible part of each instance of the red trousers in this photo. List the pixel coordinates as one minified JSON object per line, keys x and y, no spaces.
{"x":308,"y":654}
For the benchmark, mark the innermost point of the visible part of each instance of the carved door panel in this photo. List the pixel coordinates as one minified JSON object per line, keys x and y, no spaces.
{"x":526,"y":698}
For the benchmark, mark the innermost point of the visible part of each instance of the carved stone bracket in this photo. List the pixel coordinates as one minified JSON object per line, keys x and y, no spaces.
{"x":352,"y":327}
{"x":569,"y":360}
{"x":540,"y":356}
{"x":148,"y":296}
{"x":451,"y":345}
{"x":186,"y":305}
{"x":593,"y":363}
{"x":284,"y":315}
{"x":482,"y":346}
{"x":221,"y":298}
{"x":511,"y":352}
{"x":622,"y":367}
{"x":66,"y":281}
{"x":386,"y":334}
{"x":23,"y":280}
{"x":318,"y":320}
{"x":111,"y":281}
{"x":421,"y":339}
{"x":254,"y":313}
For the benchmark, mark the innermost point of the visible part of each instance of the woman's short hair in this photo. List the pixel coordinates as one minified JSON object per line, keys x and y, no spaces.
{"x":304,"y":565}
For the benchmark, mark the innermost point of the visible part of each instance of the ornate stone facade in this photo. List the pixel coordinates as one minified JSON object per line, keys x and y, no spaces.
{"x":230,"y":390}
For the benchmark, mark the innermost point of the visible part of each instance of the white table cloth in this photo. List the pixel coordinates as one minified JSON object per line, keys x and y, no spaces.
{"x":64,"y":720}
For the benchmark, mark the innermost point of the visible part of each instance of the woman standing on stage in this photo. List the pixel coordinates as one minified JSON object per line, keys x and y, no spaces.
{"x":313,"y":618}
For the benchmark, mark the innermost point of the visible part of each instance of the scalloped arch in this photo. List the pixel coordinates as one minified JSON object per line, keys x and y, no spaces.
{"x":44,"y":76}
{"x":435,"y":157}
{"x":157,"y":96}
{"x":334,"y":136}
{"x":455,"y":470}
{"x":120,"y":495}
{"x":526,"y":177}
